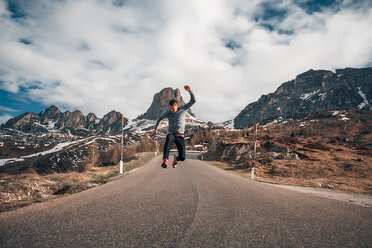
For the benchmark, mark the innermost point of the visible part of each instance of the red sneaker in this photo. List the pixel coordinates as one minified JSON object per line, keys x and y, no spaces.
{"x":165,"y":163}
{"x":175,"y":162}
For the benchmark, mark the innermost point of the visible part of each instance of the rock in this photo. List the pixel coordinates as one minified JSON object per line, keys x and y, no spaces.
{"x":310,"y":92}
{"x":90,"y":121}
{"x":294,"y":156}
{"x":328,"y":186}
{"x":274,"y":147}
{"x":318,"y":185}
{"x":75,"y":122}
{"x":160,"y":103}
{"x":275,"y":155}
{"x":51,"y":114}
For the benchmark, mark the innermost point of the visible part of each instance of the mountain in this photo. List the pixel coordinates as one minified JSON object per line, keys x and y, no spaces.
{"x":52,"y":120}
{"x":310,"y":92}
{"x":160,"y":103}
{"x":75,"y":123}
{"x":63,"y":141}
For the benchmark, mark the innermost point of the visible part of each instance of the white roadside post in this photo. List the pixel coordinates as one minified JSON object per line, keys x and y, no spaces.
{"x":254,"y":154}
{"x":156,"y":145}
{"x":122,"y":144}
{"x":202,"y":143}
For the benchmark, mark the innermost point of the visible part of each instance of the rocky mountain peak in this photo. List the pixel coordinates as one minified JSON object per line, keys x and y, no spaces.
{"x":91,"y":117}
{"x":53,"y":120}
{"x":50,"y":114}
{"x":51,"y":111}
{"x":309,"y":92}
{"x":112,"y":122}
{"x":160,"y":103}
{"x":75,"y":123}
{"x":21,"y":120}
{"x":111,"y":117}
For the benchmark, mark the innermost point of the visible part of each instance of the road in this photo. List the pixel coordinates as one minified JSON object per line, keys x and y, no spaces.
{"x":194,"y":205}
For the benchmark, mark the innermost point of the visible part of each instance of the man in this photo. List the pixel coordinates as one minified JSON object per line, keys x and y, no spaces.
{"x":176,"y":117}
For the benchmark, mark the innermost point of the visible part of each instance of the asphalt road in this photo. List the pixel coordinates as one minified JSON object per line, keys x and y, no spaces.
{"x":194,"y":205}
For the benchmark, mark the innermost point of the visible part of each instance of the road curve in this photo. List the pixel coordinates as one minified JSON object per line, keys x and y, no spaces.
{"x":194,"y":205}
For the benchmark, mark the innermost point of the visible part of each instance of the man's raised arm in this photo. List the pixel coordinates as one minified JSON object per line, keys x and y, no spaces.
{"x":192,"y":98}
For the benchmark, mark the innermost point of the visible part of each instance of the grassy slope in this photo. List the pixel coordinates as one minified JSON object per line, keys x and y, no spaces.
{"x":335,"y":152}
{"x":26,"y":188}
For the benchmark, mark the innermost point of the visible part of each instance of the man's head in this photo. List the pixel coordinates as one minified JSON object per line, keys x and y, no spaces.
{"x":173,"y":106}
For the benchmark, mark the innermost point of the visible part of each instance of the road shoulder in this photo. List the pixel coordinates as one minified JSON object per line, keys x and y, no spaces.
{"x":353,"y":198}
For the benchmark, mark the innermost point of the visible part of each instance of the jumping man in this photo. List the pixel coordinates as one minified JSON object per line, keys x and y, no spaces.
{"x":176,"y":117}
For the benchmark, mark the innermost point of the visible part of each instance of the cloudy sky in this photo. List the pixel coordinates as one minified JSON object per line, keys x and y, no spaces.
{"x":103,"y":55}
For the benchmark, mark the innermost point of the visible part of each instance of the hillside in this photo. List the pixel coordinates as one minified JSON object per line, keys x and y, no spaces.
{"x":309,"y":92}
{"x":331,"y":149}
{"x":146,"y":122}
{"x":63,"y":140}
{"x":160,"y":103}
{"x":52,"y":120}
{"x":36,"y":148}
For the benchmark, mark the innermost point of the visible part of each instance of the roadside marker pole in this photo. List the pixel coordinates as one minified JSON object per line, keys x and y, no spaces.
{"x":202,"y":155}
{"x":156,"y":145}
{"x":122,"y":144}
{"x":254,"y":154}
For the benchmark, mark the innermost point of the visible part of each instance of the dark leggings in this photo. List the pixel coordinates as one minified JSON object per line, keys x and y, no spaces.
{"x":180,"y":143}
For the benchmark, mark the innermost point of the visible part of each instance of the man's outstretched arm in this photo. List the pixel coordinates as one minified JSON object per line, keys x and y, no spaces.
{"x":164,"y":115}
{"x":192,"y":98}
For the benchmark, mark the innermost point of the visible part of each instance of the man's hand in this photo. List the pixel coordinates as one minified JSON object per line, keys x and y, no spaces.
{"x":154,"y":132}
{"x":187,"y":88}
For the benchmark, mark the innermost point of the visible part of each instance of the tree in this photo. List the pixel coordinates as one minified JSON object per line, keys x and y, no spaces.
{"x":145,"y":144}
{"x":94,"y":151}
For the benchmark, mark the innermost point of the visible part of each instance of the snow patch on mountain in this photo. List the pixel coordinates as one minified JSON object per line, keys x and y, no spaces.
{"x":307,"y":96}
{"x":365,"y":102}
{"x":57,"y":148}
{"x":322,"y":95}
{"x":145,"y":125}
{"x":229,"y":125}
{"x":140,"y":125}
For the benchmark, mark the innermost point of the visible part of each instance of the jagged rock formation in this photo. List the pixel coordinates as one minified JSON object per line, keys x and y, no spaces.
{"x":312,"y":91}
{"x":63,"y":141}
{"x":53,"y":120}
{"x":160,"y":103}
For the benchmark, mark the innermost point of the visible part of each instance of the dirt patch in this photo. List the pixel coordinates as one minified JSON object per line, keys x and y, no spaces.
{"x":303,"y":179}
{"x":28,"y":187}
{"x":325,"y":152}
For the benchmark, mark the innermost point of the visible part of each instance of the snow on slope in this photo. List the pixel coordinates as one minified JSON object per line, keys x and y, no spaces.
{"x":145,"y":125}
{"x":57,"y":148}
{"x":365,"y":102}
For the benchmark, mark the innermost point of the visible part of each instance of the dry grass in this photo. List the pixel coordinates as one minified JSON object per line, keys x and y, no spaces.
{"x":29,"y":187}
{"x":331,"y":151}
{"x":300,"y":175}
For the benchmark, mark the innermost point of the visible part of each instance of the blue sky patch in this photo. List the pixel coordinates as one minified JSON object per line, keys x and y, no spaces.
{"x":25,"y":41}
{"x":232,"y":45}
{"x":312,"y":6}
{"x":16,"y":7}
{"x":270,"y":13}
{"x":16,"y":104}
{"x":84,"y":47}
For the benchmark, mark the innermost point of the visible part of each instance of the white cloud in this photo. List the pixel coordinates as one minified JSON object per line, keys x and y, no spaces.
{"x":2,"y":108}
{"x":96,"y":57}
{"x":5,"y":118}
